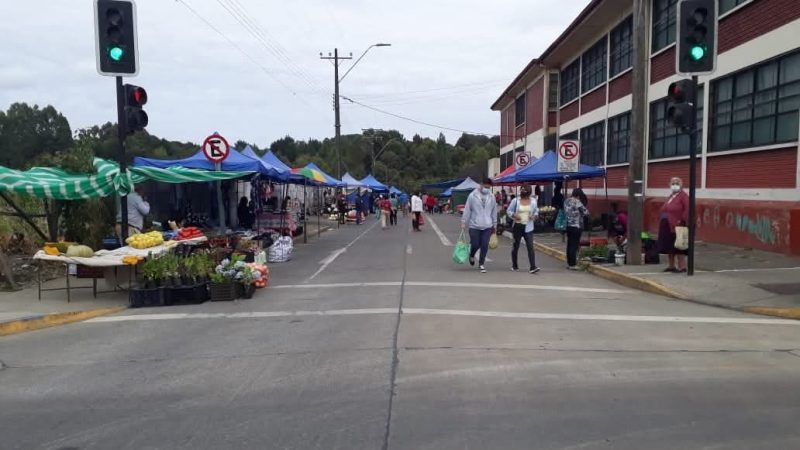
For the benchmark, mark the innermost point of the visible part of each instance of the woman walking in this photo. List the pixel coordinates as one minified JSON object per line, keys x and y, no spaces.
{"x":575,"y":211}
{"x":393,"y":214}
{"x":523,"y":212}
{"x":480,"y":216}
{"x":675,"y":212}
{"x":385,"y":211}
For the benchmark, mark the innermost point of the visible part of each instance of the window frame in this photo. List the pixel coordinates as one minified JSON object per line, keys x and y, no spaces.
{"x":552,"y":91}
{"x":618,"y":138}
{"x":594,"y":65}
{"x":736,"y":3}
{"x":668,"y":8}
{"x":519,"y":111}
{"x":751,"y":105}
{"x":661,"y":130}
{"x":620,"y":42}
{"x":593,"y":142}
{"x":568,"y":84}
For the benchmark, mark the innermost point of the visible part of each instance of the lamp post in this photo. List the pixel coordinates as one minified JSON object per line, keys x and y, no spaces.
{"x":337,"y":124}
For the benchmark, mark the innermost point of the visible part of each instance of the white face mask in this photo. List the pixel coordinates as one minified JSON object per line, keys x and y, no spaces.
{"x":486,"y":190}
{"x":676,"y":187}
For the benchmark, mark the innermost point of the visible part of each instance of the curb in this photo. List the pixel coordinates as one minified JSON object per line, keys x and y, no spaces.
{"x":659,"y":289}
{"x":51,"y":320}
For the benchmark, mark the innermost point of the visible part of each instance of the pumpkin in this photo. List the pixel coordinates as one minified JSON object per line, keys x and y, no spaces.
{"x":52,"y":251}
{"x":81,"y":251}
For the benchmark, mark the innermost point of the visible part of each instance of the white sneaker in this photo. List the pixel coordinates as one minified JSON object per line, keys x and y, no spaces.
{"x":483,"y":269}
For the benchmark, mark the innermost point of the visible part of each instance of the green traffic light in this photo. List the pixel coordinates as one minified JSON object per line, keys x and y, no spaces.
{"x":115,"y":53}
{"x":697,"y":52}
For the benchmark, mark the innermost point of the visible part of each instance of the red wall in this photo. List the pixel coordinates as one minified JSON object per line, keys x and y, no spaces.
{"x":552,"y":119}
{"x":768,"y":168}
{"x":659,"y":173}
{"x":534,"y":108}
{"x":569,"y":112}
{"x":618,"y":177}
{"x":593,"y":100}
{"x":662,"y":66}
{"x":754,"y":20}
{"x":620,"y":86}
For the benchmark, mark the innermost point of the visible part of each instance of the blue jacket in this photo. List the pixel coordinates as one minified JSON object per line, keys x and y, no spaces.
{"x":514,"y":206}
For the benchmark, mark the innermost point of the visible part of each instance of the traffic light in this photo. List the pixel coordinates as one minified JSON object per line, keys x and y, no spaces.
{"x":134,"y":116}
{"x":115,"y":33}
{"x":697,"y":37}
{"x":682,"y":100}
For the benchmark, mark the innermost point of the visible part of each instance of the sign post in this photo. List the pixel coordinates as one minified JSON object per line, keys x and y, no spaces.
{"x":569,"y":152}
{"x":217,"y":149}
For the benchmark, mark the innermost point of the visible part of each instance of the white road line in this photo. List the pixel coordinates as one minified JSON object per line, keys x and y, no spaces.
{"x":448,"y":312}
{"x":408,"y":249}
{"x":434,"y":284}
{"x":725,"y":270}
{"x":335,"y":254}
{"x":446,"y":242}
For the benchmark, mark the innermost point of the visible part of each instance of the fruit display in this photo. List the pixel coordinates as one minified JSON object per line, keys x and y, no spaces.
{"x":189,"y":233}
{"x":145,"y":240}
{"x":81,"y":251}
{"x":262,"y":280}
{"x":131,"y":260}
{"x":52,"y":251}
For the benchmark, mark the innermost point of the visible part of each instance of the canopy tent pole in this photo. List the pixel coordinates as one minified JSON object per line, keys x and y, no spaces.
{"x":303,"y":210}
{"x":220,"y":203}
{"x":320,"y":208}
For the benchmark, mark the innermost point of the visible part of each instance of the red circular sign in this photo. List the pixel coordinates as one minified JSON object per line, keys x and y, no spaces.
{"x":523,"y":159}
{"x":568,"y":150}
{"x":216,"y":148}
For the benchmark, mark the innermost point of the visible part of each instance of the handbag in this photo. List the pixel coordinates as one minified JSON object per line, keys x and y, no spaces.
{"x":421,"y":219}
{"x":561,"y":221}
{"x":681,"y":238}
{"x":461,"y":250}
{"x":493,"y":242}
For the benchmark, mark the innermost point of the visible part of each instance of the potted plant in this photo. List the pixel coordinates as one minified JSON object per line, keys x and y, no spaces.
{"x":148,"y":293}
{"x":246,"y":277}
{"x":223,"y":281}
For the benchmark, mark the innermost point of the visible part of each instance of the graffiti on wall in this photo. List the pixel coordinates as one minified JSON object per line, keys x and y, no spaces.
{"x":761,"y":227}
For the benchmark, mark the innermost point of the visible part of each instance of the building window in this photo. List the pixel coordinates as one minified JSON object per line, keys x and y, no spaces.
{"x":758,"y":106}
{"x":619,"y":144}
{"x":506,"y":160}
{"x":593,"y":144}
{"x":569,"y":136}
{"x":665,"y":140}
{"x":594,"y":66}
{"x":664,"y":17}
{"x":552,"y":96}
{"x":570,"y":80}
{"x":519,"y":110}
{"x":621,"y":47}
{"x":727,"y":5}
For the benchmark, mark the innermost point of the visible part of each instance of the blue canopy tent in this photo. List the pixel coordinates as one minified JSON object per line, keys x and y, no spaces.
{"x":351,"y":182}
{"x":447,"y":193}
{"x":373,"y":184}
{"x":235,"y":162}
{"x":444,"y":184}
{"x":329,"y":180}
{"x":394,"y":190}
{"x":546,"y":169}
{"x":276,"y":173}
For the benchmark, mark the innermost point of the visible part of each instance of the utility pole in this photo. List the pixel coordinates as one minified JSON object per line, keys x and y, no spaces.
{"x":337,"y":124}
{"x":641,"y":13}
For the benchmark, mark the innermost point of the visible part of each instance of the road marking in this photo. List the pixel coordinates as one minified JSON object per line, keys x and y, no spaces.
{"x":408,"y":249}
{"x":726,"y":270}
{"x":538,"y":287}
{"x":447,"y":312}
{"x":335,"y":254}
{"x":446,"y":242}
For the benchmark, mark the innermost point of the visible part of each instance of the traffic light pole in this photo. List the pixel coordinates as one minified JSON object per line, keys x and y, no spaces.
{"x":692,"y":180}
{"x":123,"y":165}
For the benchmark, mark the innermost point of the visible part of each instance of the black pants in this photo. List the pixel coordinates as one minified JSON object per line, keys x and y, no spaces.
{"x":519,"y":233}
{"x":573,"y":244}
{"x":393,"y":217}
{"x":415,"y":220}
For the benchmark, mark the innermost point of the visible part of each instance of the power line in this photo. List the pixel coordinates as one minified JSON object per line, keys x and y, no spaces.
{"x":474,"y":85}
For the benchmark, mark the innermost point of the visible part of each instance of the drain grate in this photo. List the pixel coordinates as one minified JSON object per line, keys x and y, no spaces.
{"x":781,"y":288}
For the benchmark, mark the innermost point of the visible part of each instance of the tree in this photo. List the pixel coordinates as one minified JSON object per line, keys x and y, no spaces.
{"x":27,"y":132}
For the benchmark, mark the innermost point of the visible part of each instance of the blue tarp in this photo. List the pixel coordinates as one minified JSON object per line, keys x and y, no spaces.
{"x":372,"y":183}
{"x":394,"y":190}
{"x":330,"y":181}
{"x":447,"y":193}
{"x":271,"y":171}
{"x":444,"y":184}
{"x":235,"y":162}
{"x":545,"y":169}
{"x":349,"y":181}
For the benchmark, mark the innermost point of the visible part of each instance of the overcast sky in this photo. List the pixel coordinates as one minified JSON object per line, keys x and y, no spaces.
{"x":449,"y":60}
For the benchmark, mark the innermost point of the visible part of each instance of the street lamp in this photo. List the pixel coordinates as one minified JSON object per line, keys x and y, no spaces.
{"x":380,"y":44}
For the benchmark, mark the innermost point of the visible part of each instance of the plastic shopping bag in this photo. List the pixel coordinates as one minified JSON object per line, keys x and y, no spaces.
{"x":493,"y":241}
{"x":681,"y":238}
{"x":561,"y":221}
{"x":461,"y":250}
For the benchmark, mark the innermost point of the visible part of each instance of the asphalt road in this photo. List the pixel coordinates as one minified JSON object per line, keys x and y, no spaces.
{"x":374,"y":339}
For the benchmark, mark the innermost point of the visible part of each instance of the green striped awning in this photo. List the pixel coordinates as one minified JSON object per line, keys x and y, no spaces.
{"x":46,"y":182}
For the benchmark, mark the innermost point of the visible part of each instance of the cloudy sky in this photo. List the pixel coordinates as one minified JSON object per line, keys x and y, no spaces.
{"x":262,"y":78}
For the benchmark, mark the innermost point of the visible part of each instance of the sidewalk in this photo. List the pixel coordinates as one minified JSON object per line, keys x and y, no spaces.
{"x":729,"y":277}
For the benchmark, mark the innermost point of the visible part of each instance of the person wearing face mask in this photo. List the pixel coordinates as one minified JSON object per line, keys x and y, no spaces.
{"x":674,"y":212}
{"x":576,"y":213}
{"x":480,"y":216}
{"x":523,"y":212}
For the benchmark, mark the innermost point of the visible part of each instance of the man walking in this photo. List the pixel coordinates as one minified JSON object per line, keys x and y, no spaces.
{"x":480,"y":216}
{"x":416,"y":210}
{"x":393,"y":214}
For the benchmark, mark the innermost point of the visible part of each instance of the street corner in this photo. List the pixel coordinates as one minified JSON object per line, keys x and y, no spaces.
{"x":41,"y":321}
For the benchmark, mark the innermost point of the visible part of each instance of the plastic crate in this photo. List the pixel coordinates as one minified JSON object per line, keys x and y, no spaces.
{"x":145,"y":298}
{"x":186,"y":295}
{"x":88,"y":272}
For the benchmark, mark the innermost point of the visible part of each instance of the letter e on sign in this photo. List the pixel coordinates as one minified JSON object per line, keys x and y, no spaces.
{"x":216,"y":148}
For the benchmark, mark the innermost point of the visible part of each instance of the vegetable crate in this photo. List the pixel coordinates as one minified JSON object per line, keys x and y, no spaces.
{"x":144,"y":298}
{"x":186,"y":295}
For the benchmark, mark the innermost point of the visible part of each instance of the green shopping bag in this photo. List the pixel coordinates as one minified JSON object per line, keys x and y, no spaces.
{"x":561,"y":221}
{"x":461,"y":250}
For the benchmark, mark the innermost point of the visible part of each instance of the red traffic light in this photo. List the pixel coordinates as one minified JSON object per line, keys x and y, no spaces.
{"x":136,"y":96}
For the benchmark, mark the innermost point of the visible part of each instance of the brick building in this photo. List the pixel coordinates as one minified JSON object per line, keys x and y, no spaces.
{"x":748,"y":173}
